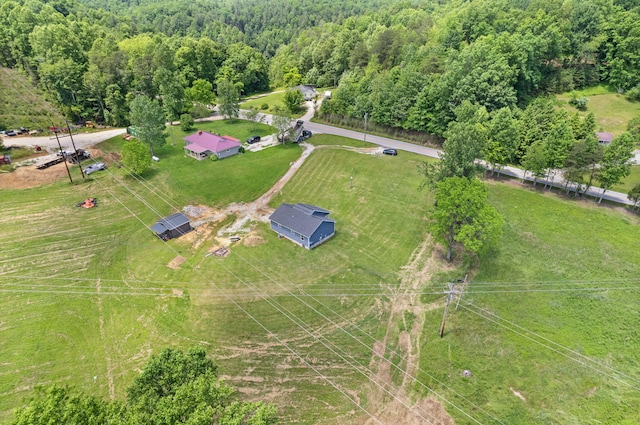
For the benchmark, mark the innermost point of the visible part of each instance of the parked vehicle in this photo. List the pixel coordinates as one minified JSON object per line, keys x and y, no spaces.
{"x":10,"y":133}
{"x":306,"y":134}
{"x":390,"y":151}
{"x":296,"y":132}
{"x":70,"y":156}
{"x":253,"y":139}
{"x":94,"y":167}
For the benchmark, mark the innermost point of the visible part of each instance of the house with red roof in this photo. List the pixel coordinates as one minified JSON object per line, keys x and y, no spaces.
{"x":202,"y":144}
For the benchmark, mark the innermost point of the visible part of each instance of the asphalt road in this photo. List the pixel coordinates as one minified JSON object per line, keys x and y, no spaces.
{"x":81,"y":140}
{"x":87,"y":139}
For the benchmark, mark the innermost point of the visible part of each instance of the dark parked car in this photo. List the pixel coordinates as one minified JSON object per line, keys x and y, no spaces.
{"x":306,"y":134}
{"x":253,"y":139}
{"x":10,"y":133}
{"x":94,"y":167}
{"x":390,"y":152}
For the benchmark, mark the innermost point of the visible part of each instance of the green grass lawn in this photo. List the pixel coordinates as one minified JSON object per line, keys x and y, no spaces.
{"x":271,"y":99}
{"x":629,"y":182}
{"x":88,"y":294}
{"x":612,"y":110}
{"x":539,"y":279}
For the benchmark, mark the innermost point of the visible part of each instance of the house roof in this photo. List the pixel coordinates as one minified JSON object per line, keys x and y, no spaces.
{"x":604,"y":137}
{"x":169,"y":223}
{"x":203,"y":141}
{"x":300,"y":218}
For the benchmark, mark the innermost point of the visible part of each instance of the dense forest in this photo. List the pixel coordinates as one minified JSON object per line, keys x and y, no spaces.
{"x":406,"y":65}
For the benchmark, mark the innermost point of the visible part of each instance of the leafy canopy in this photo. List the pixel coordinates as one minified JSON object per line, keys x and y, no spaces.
{"x":463,"y":215}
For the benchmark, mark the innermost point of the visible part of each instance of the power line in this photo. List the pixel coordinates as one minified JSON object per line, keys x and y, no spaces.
{"x":582,"y":359}
{"x":275,"y":304}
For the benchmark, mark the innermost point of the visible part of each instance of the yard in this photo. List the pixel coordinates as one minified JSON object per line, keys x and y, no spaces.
{"x":611,"y":110}
{"x":89,"y":294}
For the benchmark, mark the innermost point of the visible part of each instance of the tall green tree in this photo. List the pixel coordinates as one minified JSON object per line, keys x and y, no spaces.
{"x":615,"y":164}
{"x":465,"y":141}
{"x":502,"y":139}
{"x":292,"y":100}
{"x":282,"y":123}
{"x":136,"y":156}
{"x":147,"y":117}
{"x":535,"y":161}
{"x":228,"y":99}
{"x":463,"y":215}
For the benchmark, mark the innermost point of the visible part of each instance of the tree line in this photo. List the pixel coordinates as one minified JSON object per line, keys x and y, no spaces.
{"x":406,"y":65}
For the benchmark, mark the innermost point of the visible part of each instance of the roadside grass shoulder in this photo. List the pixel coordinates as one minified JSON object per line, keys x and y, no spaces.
{"x":331,"y":140}
{"x":567,"y":272}
{"x":629,"y":182}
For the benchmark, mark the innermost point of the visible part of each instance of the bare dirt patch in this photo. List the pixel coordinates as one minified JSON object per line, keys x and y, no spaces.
{"x":176,"y":262}
{"x":28,"y":177}
{"x":406,"y":344}
{"x":517,"y":394}
{"x":253,"y":240}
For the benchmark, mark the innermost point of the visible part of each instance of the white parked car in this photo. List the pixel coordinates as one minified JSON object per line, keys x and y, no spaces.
{"x":94,"y":167}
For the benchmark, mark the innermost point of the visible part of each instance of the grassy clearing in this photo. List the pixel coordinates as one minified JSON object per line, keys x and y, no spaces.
{"x":271,"y":99}
{"x":87,"y":293}
{"x":612,"y":110}
{"x":22,"y":104}
{"x":565,"y":248}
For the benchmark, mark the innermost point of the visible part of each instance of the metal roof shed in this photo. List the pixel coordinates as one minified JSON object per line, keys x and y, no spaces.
{"x":172,"y":226}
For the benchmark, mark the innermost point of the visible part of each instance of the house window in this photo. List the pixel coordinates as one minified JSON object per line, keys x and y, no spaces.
{"x":301,"y":237}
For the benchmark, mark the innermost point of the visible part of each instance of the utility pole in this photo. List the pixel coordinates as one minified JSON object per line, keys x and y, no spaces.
{"x":450,"y":294}
{"x":366,"y":115}
{"x":62,"y":153}
{"x":75,"y":150}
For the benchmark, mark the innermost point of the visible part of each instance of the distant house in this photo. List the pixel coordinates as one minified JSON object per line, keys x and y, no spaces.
{"x":172,"y":227}
{"x":202,"y":144}
{"x":308,"y":91}
{"x":604,"y":138}
{"x":305,"y":224}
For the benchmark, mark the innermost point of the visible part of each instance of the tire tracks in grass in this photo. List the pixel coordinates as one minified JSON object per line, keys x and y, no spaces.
{"x":402,"y":340}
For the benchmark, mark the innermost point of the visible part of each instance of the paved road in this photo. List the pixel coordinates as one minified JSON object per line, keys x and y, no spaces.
{"x":82,"y":140}
{"x":87,"y":139}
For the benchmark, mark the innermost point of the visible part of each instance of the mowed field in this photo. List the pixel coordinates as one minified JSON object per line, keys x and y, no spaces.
{"x":88,"y":295}
{"x":548,"y":326}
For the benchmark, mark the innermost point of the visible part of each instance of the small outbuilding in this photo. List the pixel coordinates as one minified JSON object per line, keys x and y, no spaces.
{"x":202,"y":144}
{"x":172,"y":226}
{"x":604,"y":138}
{"x":305,"y":224}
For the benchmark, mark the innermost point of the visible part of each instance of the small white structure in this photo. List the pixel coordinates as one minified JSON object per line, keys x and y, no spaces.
{"x":327,"y":94}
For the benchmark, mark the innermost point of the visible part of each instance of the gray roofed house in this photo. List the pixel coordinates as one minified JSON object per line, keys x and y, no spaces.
{"x":305,"y":224}
{"x":308,"y":91}
{"x":172,"y":226}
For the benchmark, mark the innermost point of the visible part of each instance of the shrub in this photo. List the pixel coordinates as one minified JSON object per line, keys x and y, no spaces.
{"x":578,"y":102}
{"x":213,"y":157}
{"x":264,"y":106}
{"x":186,"y":122}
